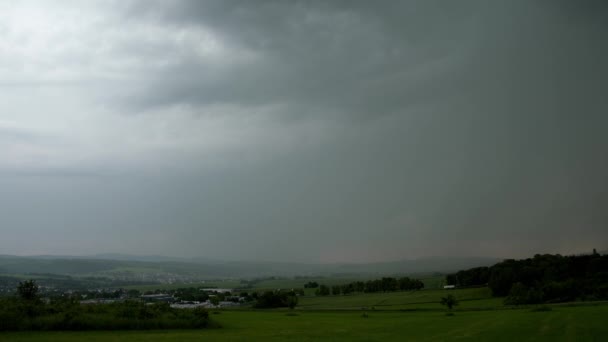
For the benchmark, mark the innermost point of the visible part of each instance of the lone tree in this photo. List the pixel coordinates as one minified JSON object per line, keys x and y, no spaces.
{"x":449,"y":301}
{"x":292,"y":301}
{"x":28,"y":290}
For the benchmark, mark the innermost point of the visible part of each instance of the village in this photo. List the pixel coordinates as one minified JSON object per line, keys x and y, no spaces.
{"x":184,"y":298}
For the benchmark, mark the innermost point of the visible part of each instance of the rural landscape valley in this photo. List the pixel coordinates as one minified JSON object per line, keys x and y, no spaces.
{"x":355,"y":306}
{"x":303,"y":170}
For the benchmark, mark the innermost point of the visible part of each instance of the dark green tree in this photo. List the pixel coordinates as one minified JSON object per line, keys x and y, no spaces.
{"x":522,"y":294}
{"x":450,"y":301}
{"x":28,"y":290}
{"x":336,"y":289}
{"x":292,"y":301}
{"x":323,"y":290}
{"x":311,"y":285}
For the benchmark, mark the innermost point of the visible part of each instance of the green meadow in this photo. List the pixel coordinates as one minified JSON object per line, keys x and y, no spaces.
{"x":574,"y":323}
{"x":476,"y":298}
{"x":397,"y":316}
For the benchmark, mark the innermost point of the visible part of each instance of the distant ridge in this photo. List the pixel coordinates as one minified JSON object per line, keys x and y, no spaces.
{"x":144,"y":258}
{"x":104,"y":264}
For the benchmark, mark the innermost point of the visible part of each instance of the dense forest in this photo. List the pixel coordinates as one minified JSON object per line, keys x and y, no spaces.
{"x":542,"y":279}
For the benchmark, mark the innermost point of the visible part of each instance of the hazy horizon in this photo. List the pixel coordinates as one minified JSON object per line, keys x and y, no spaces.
{"x":203,"y":258}
{"x":304,"y":131}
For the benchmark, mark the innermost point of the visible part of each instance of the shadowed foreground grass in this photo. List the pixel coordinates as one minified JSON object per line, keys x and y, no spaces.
{"x":577,"y":323}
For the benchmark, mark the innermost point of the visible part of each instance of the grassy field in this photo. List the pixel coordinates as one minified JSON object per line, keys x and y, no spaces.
{"x":576,"y":323}
{"x":397,"y":316}
{"x":477,"y":298}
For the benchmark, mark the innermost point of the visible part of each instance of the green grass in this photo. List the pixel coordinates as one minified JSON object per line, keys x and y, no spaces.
{"x":477,"y":298}
{"x":397,"y":316}
{"x":575,"y":323}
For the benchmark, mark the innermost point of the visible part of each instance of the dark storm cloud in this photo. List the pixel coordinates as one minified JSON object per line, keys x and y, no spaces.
{"x":421,"y":128}
{"x":502,"y":113}
{"x":367,"y":59}
{"x":335,"y":57}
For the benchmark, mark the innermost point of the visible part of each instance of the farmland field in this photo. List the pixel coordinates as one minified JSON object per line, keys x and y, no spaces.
{"x":430,"y":282}
{"x":395,"y":316}
{"x":476,"y":298}
{"x":579,"y":323}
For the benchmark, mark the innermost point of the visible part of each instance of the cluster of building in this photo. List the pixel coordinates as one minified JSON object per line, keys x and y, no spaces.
{"x":102,"y":300}
{"x":206,"y":304}
{"x":209,"y":303}
{"x":151,"y":277}
{"x":229,"y":301}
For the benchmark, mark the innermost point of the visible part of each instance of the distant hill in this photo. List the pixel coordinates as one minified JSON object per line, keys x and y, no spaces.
{"x":143,"y":258}
{"x":123,"y":265}
{"x":422,"y":265}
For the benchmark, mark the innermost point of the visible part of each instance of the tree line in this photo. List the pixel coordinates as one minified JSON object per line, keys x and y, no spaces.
{"x":385,"y":284}
{"x":277,"y":299}
{"x":542,"y":279}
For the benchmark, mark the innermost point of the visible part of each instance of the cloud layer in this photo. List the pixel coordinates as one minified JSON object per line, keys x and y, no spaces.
{"x":305,"y":131}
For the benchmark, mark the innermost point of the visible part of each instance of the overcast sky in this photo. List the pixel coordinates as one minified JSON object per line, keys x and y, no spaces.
{"x":327,"y":131}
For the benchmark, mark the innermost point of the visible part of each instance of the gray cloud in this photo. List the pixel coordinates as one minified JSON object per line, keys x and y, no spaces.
{"x":319,"y":131}
{"x":350,"y":58}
